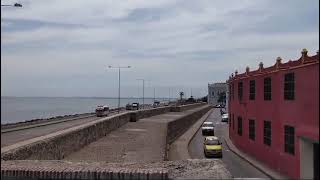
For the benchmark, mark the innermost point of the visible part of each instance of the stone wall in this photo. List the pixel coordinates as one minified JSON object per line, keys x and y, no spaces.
{"x":57,"y":145}
{"x":178,"y":127}
{"x":183,"y":169}
{"x":186,"y":107}
{"x":140,"y":114}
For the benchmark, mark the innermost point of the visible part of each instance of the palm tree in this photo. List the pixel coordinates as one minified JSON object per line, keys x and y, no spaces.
{"x":181,"y":95}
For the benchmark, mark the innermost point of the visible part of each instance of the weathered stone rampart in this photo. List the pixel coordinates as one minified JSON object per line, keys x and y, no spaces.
{"x":57,"y":145}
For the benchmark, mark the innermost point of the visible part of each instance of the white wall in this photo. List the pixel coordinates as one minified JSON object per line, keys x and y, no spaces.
{"x":306,"y":159}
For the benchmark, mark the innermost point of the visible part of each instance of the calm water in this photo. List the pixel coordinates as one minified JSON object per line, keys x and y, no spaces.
{"x":16,"y":109}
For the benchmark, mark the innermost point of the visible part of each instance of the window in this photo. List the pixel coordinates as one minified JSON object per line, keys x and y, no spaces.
{"x":233,"y":121}
{"x":240,"y":90}
{"x":267,"y":133}
{"x":212,"y":93}
{"x":289,"y":86}
{"x":267,"y":88}
{"x":252,"y":90}
{"x":289,"y":139}
{"x":240,"y":126}
{"x":252,"y":133}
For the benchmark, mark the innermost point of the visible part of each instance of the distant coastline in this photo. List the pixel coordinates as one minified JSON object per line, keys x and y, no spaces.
{"x":16,"y":109}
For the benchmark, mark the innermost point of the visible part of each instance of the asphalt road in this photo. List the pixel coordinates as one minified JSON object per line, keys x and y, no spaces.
{"x":13,"y":137}
{"x":238,"y":167}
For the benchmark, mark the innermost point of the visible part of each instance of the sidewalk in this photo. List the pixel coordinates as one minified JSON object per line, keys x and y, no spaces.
{"x":251,"y":160}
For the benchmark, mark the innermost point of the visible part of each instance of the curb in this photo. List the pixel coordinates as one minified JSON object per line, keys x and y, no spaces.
{"x":239,"y":155}
{"x":181,"y":144}
{"x":206,"y":117}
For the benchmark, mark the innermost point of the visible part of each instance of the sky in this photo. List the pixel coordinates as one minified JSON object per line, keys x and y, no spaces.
{"x":63,"y":48}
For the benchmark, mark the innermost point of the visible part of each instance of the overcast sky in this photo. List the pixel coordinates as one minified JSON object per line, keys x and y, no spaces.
{"x":63,"y":47}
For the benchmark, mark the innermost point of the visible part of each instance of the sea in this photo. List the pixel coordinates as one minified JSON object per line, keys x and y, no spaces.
{"x":18,"y":109}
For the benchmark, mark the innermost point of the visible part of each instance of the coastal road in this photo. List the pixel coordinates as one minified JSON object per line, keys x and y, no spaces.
{"x":238,"y":167}
{"x":13,"y":137}
{"x":9,"y":138}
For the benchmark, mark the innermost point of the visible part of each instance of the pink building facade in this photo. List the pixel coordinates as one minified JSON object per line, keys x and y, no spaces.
{"x":274,"y":115}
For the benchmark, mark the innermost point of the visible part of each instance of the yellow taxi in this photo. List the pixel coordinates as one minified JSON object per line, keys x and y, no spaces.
{"x":212,"y":146}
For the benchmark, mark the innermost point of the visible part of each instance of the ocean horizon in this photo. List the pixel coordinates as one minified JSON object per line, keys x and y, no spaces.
{"x":18,"y":109}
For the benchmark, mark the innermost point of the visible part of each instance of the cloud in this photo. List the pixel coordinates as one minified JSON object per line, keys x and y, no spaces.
{"x":174,"y":43}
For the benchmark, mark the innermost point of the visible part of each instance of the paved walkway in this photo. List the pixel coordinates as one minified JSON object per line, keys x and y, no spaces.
{"x":141,"y":141}
{"x":254,"y":162}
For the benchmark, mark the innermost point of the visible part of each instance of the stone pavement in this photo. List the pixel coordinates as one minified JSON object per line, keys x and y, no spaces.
{"x":251,"y":160}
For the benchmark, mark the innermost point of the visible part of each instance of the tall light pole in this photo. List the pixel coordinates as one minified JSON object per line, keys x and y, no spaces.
{"x":12,"y":5}
{"x":142,"y":91}
{"x":119,"y":67}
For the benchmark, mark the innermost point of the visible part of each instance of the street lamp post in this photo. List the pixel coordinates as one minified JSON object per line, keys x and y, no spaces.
{"x":119,"y":67}
{"x":12,"y":5}
{"x":142,"y":91}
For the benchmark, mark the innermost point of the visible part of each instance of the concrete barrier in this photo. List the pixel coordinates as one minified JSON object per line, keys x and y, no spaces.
{"x":58,"y":145}
{"x":179,"y":126}
{"x":140,"y":114}
{"x":186,"y":107}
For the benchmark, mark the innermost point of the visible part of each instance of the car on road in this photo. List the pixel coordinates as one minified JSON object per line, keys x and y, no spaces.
{"x":128,"y":106}
{"x":135,"y":106}
{"x":212,"y":147}
{"x":207,"y":129}
{"x":102,"y":111}
{"x":224,"y":118}
{"x":156,"y":104}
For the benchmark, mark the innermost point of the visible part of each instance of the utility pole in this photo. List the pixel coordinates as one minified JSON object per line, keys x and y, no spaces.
{"x":12,"y":5}
{"x":119,"y":67}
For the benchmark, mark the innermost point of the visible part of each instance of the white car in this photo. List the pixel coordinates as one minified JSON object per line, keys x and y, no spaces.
{"x":225,"y":118}
{"x":208,"y":129}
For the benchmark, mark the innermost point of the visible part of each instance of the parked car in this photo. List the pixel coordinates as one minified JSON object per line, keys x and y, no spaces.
{"x":212,"y":147}
{"x":135,"y":106}
{"x":208,"y":129}
{"x":225,"y":118}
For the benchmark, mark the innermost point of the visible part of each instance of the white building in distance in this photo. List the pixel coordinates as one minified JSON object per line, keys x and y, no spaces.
{"x":214,"y":91}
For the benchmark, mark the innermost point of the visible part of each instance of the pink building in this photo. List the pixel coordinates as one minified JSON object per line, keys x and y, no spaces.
{"x":274,"y":115}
